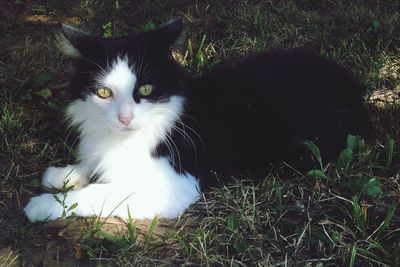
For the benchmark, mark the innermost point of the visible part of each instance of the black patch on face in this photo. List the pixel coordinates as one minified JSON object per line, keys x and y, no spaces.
{"x":148,"y":54}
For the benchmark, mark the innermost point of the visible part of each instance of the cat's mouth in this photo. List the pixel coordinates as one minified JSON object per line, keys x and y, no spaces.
{"x":122,"y":128}
{"x":127,"y":129}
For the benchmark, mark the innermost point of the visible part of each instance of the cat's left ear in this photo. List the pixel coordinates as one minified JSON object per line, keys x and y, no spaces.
{"x":69,"y":40}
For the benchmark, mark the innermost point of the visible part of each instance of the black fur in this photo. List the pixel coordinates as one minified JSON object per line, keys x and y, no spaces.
{"x":252,"y":113}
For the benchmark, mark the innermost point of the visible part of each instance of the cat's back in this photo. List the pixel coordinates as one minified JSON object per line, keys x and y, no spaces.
{"x":287,"y":74}
{"x":251,"y":112}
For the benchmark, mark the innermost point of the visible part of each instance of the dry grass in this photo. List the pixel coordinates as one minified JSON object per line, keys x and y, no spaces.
{"x":303,"y":221}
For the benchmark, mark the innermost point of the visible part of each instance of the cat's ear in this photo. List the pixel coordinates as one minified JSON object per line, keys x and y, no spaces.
{"x":68,"y":40}
{"x":166,"y":36}
{"x":173,"y":31}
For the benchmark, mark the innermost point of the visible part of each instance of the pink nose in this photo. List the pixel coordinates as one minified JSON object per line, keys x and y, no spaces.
{"x":125,"y":120}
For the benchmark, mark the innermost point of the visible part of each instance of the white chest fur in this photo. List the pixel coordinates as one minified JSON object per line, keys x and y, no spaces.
{"x":151,"y":185}
{"x":129,"y":178}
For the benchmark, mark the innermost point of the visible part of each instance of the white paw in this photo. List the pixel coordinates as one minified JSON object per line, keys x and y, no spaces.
{"x":55,"y":177}
{"x":43,"y":208}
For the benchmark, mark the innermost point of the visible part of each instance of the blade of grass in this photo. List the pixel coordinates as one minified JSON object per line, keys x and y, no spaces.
{"x":390,"y":150}
{"x":131,"y":228}
{"x":353,"y":256}
{"x":358,"y":215}
{"x":150,"y":233}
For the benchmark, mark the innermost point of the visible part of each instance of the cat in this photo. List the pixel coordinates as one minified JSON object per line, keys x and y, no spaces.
{"x":155,"y":137}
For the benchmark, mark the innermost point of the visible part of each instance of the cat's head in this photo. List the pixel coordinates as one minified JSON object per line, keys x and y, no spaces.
{"x":125,"y":83}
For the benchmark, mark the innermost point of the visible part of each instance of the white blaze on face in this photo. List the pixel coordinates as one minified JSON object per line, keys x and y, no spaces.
{"x":121,"y":79}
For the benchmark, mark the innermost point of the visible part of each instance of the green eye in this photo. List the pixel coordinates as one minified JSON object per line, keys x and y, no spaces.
{"x":146,"y":89}
{"x":103,"y":92}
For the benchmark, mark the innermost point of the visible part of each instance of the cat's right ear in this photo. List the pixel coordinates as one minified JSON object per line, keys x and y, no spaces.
{"x":69,"y":39}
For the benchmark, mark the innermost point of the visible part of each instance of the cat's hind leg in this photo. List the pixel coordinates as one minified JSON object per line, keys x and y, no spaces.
{"x":70,"y":175}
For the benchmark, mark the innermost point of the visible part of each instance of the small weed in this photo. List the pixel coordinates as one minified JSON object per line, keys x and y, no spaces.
{"x":10,"y":119}
{"x":149,"y":26}
{"x":374,"y":27}
{"x":107,"y":29}
{"x":309,"y":145}
{"x":67,"y":212}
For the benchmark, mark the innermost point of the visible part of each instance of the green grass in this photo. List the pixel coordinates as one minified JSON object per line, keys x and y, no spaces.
{"x":342,"y":213}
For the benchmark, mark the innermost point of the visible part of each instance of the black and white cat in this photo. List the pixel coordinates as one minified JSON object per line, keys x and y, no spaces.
{"x":155,"y":138}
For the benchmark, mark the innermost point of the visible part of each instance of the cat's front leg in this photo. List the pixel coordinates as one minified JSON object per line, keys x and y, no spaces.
{"x":94,"y":199}
{"x":43,"y":208}
{"x":71,"y":175}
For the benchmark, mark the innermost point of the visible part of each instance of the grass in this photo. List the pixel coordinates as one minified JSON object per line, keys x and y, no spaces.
{"x":343,"y":213}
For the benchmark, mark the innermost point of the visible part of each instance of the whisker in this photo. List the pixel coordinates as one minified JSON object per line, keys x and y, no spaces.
{"x":177,"y":152}
{"x":186,"y":137}
{"x":168,"y":144}
{"x":185,"y":126}
{"x":171,"y":151}
{"x":96,"y":64}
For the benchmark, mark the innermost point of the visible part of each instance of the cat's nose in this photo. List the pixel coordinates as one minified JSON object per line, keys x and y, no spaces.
{"x":125,"y":119}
